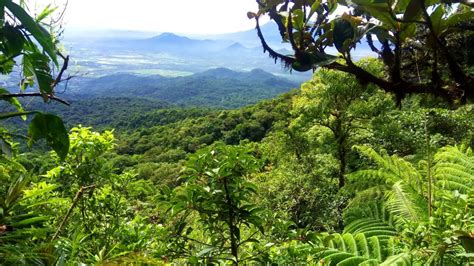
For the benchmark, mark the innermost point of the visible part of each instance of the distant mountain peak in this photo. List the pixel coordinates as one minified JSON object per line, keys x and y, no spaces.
{"x":169,"y":37}
{"x":236,"y":46}
{"x":218,"y":72}
{"x":257,"y":72}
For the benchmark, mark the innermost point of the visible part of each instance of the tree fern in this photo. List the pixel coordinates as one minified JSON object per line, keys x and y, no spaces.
{"x":397,"y":187}
{"x":454,"y":169}
{"x":390,"y":168}
{"x":398,"y":179}
{"x":405,"y":203}
{"x":401,"y":259}
{"x":354,"y":249}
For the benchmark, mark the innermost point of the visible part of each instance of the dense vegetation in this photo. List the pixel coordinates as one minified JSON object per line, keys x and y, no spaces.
{"x":337,"y":172}
{"x":220,"y":87}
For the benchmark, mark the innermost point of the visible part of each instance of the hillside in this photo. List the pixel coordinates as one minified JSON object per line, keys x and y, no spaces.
{"x":216,"y":88}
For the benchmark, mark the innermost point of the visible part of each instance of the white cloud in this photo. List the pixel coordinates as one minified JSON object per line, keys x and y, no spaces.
{"x":180,"y":16}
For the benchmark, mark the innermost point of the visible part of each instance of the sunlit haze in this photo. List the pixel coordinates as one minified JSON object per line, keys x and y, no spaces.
{"x":184,"y":16}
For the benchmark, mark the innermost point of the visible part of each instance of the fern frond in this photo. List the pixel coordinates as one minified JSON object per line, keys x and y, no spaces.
{"x":371,"y":262}
{"x":399,"y":259}
{"x":370,"y":227}
{"x":403,"y":202}
{"x":353,"y":249}
{"x":367,"y":204}
{"x":454,"y":169}
{"x":363,"y":245}
{"x":352,"y":261}
{"x":390,"y":168}
{"x":375,"y":248}
{"x":364,"y":179}
{"x":350,"y":243}
{"x":335,"y":258}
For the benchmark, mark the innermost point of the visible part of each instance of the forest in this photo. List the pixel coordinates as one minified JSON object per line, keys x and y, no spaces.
{"x":369,"y":162}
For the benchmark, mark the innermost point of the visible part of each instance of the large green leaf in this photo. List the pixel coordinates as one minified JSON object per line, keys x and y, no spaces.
{"x":343,"y":33}
{"x":308,"y":61}
{"x":14,"y":40}
{"x":413,"y":10}
{"x":51,"y":128}
{"x":460,"y":17}
{"x":437,"y":19}
{"x":37,"y":64}
{"x":40,"y":34}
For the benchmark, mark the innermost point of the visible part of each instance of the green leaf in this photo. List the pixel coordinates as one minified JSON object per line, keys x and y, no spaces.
{"x":13,"y":101}
{"x":51,"y":128}
{"x":14,"y":114}
{"x":36,"y":30}
{"x":14,"y":40}
{"x":379,"y":11}
{"x":30,"y":221}
{"x":205,"y":251}
{"x":298,"y":19}
{"x":300,"y":67}
{"x":342,"y":32}
{"x":6,"y":67}
{"x":38,"y":65}
{"x":314,"y":7}
{"x":45,"y":13}
{"x":6,"y":147}
{"x":458,"y":18}
{"x":322,"y":59}
{"x":399,"y":259}
{"x":413,"y":10}
{"x":437,"y":19}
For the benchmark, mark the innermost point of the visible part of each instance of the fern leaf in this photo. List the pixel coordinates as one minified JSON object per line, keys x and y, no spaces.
{"x":335,"y":258}
{"x":375,"y":248}
{"x":404,"y":202}
{"x":352,"y":261}
{"x":371,"y":262}
{"x":363,"y":245}
{"x":350,"y":243}
{"x":399,"y":259}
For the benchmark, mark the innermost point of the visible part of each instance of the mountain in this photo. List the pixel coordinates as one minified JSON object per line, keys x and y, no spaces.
{"x":102,"y":53}
{"x":171,"y":42}
{"x":217,"y":88}
{"x":249,"y":38}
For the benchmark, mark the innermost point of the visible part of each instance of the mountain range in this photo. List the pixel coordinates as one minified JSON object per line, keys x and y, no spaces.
{"x":217,"y":88}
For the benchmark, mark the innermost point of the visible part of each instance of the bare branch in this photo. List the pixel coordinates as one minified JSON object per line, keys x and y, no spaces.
{"x":33,"y":94}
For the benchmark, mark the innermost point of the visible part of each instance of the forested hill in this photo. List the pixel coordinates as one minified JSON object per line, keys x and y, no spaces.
{"x":218,"y":88}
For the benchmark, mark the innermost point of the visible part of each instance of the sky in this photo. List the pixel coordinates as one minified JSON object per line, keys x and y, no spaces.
{"x":178,"y":16}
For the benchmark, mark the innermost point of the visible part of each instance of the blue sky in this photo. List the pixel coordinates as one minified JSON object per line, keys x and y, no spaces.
{"x":179,"y":16}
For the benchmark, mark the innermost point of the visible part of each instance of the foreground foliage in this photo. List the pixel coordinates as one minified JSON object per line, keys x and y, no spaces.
{"x":332,"y":174}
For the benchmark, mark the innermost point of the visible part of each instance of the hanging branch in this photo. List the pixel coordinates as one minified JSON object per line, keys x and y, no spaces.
{"x":286,"y":60}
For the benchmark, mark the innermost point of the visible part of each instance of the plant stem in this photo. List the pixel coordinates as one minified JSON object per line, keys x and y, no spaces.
{"x":69,"y":211}
{"x":233,"y":241}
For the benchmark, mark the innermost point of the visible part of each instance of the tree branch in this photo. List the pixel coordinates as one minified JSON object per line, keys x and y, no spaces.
{"x":286,"y":60}
{"x":33,"y":94}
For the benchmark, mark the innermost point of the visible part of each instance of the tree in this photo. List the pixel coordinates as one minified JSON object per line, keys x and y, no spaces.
{"x":414,"y":29}
{"x":336,"y":102}
{"x":29,"y":42}
{"x":218,"y":196}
